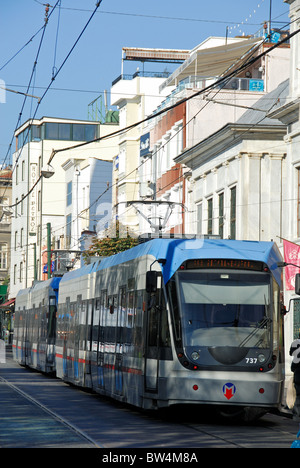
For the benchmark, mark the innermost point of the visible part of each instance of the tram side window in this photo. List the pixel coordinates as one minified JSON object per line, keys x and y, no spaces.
{"x":121,"y":323}
{"x":131,"y":315}
{"x":52,"y":317}
{"x":159,"y":333}
{"x":95,"y":328}
{"x":42,"y":312}
{"x":165,"y":339}
{"x":111,"y":322}
{"x":172,"y":292}
{"x":137,"y":336}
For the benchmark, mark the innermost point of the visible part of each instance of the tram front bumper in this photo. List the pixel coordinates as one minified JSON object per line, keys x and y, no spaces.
{"x":237,"y":389}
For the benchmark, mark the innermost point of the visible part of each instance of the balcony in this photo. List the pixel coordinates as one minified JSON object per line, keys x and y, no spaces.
{"x":237,"y":84}
{"x":142,"y":74}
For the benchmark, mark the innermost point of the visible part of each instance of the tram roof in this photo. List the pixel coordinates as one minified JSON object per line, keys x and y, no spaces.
{"x":176,"y":251}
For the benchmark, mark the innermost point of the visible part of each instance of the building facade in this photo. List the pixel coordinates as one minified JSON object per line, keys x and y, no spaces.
{"x":5,"y":223}
{"x":39,"y":201}
{"x":136,"y":96}
{"x":196,"y":130}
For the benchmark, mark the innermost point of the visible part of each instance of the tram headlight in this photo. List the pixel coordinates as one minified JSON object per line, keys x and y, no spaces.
{"x":195,"y":355}
{"x":261,"y":358}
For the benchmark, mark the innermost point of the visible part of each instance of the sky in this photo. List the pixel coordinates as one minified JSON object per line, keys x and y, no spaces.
{"x":96,"y":59}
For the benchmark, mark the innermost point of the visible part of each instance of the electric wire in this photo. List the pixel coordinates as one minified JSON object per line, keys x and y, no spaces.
{"x":45,"y":92}
{"x":167,"y":109}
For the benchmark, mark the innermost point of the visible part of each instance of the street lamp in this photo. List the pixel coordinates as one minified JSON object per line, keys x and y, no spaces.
{"x":47,"y":172}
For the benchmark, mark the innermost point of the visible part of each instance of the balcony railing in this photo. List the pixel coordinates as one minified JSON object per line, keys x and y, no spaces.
{"x":239,"y":84}
{"x":142,"y":74}
{"x":197,"y":82}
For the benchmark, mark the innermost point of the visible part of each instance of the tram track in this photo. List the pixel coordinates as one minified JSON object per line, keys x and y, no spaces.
{"x":52,"y":414}
{"x":49,"y":413}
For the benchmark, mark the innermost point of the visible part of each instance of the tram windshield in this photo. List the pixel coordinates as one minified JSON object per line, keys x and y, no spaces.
{"x":224,"y":308}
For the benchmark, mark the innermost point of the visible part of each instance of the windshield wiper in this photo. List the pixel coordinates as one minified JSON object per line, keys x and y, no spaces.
{"x":264,"y":322}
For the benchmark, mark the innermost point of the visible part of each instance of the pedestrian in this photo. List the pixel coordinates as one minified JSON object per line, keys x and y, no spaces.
{"x":295,"y":367}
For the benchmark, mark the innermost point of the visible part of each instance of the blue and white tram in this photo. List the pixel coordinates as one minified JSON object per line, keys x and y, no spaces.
{"x":35,"y":325}
{"x":175,"y":321}
{"x":206,"y":328}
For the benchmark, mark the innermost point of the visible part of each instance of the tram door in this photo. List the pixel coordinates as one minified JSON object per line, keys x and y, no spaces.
{"x":120,"y":340}
{"x":152,"y":346}
{"x":101,"y":344}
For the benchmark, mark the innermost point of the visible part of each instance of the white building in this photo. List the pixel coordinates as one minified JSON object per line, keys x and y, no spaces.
{"x":136,"y":97}
{"x":187,"y":162}
{"x":39,"y":201}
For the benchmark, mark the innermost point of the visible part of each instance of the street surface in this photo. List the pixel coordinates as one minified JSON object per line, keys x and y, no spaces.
{"x":41,"y":412}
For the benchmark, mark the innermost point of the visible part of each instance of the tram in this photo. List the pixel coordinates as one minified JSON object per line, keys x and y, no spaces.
{"x":170,"y":321}
{"x":35,"y":319}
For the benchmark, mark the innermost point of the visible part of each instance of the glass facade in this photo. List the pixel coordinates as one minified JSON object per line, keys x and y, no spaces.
{"x":58,"y":131}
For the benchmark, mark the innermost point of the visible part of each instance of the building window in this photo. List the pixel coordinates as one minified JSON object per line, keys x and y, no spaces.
{"x":210,"y":216}
{"x":23,"y":170}
{"x":199,"y":218}
{"x":3,"y":256}
{"x":233,"y":213}
{"x":221,"y":215}
{"x":68,"y":231}
{"x":69,"y":193}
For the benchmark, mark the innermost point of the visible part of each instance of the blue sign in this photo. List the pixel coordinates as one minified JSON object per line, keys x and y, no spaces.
{"x":145,"y":144}
{"x":256,"y":85}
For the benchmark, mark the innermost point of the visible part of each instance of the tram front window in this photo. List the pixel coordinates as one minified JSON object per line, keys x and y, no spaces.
{"x":224,"y":309}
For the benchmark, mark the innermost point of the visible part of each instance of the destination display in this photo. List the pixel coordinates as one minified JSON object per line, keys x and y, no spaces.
{"x":224,"y":263}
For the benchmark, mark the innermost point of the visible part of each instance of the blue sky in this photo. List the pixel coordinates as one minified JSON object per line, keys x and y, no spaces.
{"x":96,"y":60}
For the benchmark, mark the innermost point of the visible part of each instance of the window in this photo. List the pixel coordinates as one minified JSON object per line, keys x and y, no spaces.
{"x":199,"y":218}
{"x":51,"y":131}
{"x":35,"y":133}
{"x":68,"y":231}
{"x":210,"y":216}
{"x":233,"y":213}
{"x":3,"y":256}
{"x":69,"y":193}
{"x":5,"y":218}
{"x":64,"y":131}
{"x":221,"y":215}
{"x":23,"y":170}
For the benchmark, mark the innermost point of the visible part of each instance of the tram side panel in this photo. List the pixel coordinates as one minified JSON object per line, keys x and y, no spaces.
{"x":120,"y":323}
{"x":73,"y":329}
{"x":20,"y":326}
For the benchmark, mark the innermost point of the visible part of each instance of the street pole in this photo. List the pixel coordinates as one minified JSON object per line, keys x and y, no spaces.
{"x":34,"y":262}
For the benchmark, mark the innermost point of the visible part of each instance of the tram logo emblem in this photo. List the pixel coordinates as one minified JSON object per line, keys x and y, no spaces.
{"x":229,"y":390}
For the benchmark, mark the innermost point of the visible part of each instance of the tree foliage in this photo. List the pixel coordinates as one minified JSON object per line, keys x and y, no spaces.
{"x":117,"y":240}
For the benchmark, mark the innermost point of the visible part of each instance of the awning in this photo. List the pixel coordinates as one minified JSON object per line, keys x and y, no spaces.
{"x":8,"y":303}
{"x":211,"y":62}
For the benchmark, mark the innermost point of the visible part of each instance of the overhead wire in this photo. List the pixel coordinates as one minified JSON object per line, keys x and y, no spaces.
{"x":43,"y":29}
{"x":222,"y":79}
{"x":47,"y":89}
{"x":218,"y":82}
{"x":165,"y":110}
